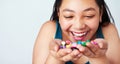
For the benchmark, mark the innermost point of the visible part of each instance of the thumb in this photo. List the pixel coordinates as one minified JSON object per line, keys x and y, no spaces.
{"x":54,"y":45}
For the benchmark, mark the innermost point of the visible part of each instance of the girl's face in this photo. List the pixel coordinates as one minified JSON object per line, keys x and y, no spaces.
{"x":79,"y":19}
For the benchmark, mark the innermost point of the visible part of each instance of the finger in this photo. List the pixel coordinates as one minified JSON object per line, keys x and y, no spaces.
{"x":99,"y":48}
{"x":58,"y":41}
{"x":101,"y":43}
{"x":92,"y":47}
{"x":77,"y":56}
{"x":74,"y":55}
{"x":53,"y":46}
{"x":86,"y":51}
{"x":63,"y":52}
{"x":53,"y":53}
{"x":80,"y":48}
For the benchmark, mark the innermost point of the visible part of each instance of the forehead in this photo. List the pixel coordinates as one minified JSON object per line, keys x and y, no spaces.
{"x":79,"y":5}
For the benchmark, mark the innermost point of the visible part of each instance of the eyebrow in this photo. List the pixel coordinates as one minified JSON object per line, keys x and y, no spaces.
{"x":87,"y":9}
{"x":68,"y":10}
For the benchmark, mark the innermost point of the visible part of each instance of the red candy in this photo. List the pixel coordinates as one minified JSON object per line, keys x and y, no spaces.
{"x":68,"y":42}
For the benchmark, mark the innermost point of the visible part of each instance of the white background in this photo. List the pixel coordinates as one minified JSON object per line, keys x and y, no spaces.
{"x":20,"y":21}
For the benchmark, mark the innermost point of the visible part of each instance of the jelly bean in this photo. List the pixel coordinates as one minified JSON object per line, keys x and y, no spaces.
{"x":61,"y":47}
{"x":93,"y":42}
{"x":68,"y":42}
{"x":73,"y":46}
{"x":68,"y":45}
{"x":87,"y":40}
{"x":79,"y":42}
{"x":63,"y":44}
{"x":83,"y":44}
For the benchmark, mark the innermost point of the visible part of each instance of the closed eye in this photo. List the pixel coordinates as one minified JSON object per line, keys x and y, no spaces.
{"x":68,"y":16}
{"x":91,"y":16}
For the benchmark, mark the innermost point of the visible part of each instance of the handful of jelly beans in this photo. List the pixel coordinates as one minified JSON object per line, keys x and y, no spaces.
{"x":72,"y":45}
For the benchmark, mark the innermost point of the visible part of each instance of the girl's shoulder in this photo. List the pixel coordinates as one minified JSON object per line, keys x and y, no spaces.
{"x":45,"y":36}
{"x":110,"y":31}
{"x":112,"y":37}
{"x":108,"y":27}
{"x":48,"y":26}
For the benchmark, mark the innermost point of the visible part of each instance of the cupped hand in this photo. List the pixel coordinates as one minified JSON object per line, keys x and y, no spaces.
{"x":65,"y":54}
{"x":94,"y":49}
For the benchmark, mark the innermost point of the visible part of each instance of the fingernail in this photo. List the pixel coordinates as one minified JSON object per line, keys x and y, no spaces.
{"x":79,"y":55}
{"x":93,"y":42}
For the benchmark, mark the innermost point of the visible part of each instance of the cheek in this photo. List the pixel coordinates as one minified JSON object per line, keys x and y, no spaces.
{"x":64,"y":25}
{"x":93,"y":24}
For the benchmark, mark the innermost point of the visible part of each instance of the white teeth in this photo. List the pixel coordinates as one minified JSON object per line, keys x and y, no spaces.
{"x":81,"y":34}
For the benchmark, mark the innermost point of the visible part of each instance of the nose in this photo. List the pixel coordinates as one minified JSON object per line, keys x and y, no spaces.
{"x":79,"y":25}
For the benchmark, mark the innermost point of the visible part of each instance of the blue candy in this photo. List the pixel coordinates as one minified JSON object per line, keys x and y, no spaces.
{"x":79,"y":42}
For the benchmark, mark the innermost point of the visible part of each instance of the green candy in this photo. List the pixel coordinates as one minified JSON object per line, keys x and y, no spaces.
{"x":87,"y":41}
{"x":83,"y":44}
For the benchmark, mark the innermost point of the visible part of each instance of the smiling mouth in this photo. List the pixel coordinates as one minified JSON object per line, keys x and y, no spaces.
{"x":79,"y":35}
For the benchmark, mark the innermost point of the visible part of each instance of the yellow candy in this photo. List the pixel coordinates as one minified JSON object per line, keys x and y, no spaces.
{"x":68,"y":46}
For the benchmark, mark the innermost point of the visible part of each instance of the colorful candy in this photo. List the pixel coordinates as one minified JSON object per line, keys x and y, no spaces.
{"x":63,"y":44}
{"x":93,"y":42}
{"x":79,"y":42}
{"x":83,"y":44}
{"x":69,"y":44}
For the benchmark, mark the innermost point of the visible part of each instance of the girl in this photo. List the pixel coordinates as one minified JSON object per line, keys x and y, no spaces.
{"x":78,"y":20}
